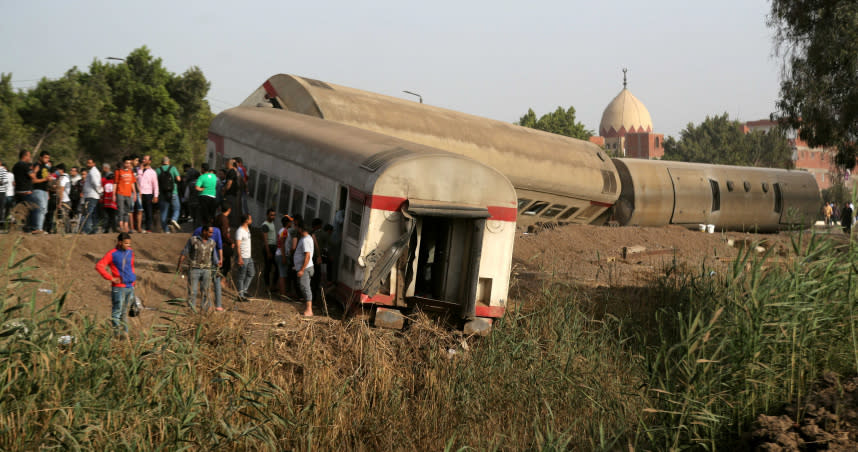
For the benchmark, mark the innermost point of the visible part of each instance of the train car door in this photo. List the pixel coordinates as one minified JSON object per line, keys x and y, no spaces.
{"x":441,"y":270}
{"x":692,"y":196}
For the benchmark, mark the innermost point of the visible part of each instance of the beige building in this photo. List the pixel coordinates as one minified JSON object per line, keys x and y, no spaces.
{"x":627,"y":129}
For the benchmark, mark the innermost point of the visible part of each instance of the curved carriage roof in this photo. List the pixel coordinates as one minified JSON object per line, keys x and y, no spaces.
{"x":355,"y":156}
{"x":530,"y":158}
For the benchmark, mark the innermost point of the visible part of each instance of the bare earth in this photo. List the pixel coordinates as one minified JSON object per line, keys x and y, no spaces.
{"x":589,"y":257}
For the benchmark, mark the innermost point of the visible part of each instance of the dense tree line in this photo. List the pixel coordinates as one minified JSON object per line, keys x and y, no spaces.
{"x":718,"y":139}
{"x":136,"y":106}
{"x":560,"y":121}
{"x":818,"y":40}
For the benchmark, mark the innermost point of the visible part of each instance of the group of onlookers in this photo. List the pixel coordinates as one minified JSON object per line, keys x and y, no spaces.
{"x":90,"y":200}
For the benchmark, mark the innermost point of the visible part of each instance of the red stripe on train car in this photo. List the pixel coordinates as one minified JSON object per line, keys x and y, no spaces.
{"x":600,"y":204}
{"x":503,"y":213}
{"x":490,"y":311}
{"x":218,"y":142}
{"x":347,"y":293}
{"x":379,"y":202}
{"x":269,"y":88}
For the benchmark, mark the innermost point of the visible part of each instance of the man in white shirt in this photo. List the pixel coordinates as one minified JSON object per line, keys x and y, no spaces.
{"x":245,"y":261}
{"x":92,"y":191}
{"x":303,"y":262}
{"x":63,"y":193}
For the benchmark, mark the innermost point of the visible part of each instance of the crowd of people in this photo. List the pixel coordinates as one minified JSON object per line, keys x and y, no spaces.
{"x":295,"y":254}
{"x":844,"y":215}
{"x":124,"y":196}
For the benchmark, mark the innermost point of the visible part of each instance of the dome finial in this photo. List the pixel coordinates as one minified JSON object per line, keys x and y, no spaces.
{"x":624,"y":77}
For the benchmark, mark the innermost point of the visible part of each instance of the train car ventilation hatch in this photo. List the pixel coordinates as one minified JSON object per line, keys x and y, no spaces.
{"x":445,"y":209}
{"x":377,"y":160}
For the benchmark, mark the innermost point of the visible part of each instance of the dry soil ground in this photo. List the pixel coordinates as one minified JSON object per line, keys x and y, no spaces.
{"x":587,"y":257}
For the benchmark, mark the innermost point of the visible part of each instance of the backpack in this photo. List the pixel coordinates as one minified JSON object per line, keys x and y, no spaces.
{"x":165,"y":181}
{"x":76,"y":189}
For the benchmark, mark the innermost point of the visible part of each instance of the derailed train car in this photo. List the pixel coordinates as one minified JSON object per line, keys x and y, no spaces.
{"x":420,"y":226}
{"x":561,"y":179}
{"x":658,"y":192}
{"x":573,"y":181}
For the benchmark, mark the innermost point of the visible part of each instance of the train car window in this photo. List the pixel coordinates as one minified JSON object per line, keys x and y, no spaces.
{"x":729,"y":185}
{"x":285,"y":192}
{"x":779,"y":202}
{"x":747,"y":186}
{"x":765,"y":187}
{"x":310,"y":207}
{"x":262,"y":190}
{"x":553,"y":210}
{"x":325,"y":208}
{"x":354,"y":222}
{"x":716,"y":195}
{"x":251,"y":183}
{"x":298,"y":202}
{"x":534,"y":209}
{"x":273,"y":190}
{"x":609,"y":182}
{"x":568,"y":213}
{"x":522,"y":203}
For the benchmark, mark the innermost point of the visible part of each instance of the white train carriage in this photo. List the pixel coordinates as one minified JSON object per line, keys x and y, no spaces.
{"x":420,"y":226}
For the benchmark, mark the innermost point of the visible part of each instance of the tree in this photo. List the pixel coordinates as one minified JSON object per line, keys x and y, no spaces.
{"x":721,"y":140}
{"x":818,"y":41}
{"x":13,"y":133}
{"x":561,"y":122}
{"x":135,"y":107}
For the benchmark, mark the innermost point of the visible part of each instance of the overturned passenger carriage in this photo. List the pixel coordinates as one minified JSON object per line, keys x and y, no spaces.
{"x":659,"y":192}
{"x":564,"y":180}
{"x":557,"y":178}
{"x":414,"y":225}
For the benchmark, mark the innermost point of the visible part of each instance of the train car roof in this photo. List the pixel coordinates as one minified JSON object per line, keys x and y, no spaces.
{"x":531,"y":158}
{"x":712,"y":167}
{"x":356,"y":156}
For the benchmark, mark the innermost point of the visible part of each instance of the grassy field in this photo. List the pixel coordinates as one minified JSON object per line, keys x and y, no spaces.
{"x":692,"y":371}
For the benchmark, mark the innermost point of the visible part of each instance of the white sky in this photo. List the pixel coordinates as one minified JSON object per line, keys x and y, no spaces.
{"x":496,"y":59}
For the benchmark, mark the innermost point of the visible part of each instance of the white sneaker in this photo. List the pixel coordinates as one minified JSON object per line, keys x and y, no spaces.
{"x":175,"y":225}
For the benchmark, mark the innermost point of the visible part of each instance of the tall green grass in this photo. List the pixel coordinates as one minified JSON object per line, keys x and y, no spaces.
{"x":551,"y":376}
{"x":731,"y":347}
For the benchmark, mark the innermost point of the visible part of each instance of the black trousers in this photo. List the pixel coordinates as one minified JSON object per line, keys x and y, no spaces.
{"x":271,"y":272}
{"x":147,"y":211}
{"x":208,"y":207}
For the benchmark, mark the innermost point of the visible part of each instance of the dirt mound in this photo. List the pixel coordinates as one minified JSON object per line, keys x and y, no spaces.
{"x":594,"y":256}
{"x":830,"y":421}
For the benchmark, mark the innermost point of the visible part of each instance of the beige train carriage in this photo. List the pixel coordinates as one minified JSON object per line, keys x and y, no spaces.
{"x":659,"y":192}
{"x":557,"y":178}
{"x":420,"y":226}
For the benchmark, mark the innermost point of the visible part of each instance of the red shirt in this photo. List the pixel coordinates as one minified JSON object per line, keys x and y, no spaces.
{"x":109,"y":198}
{"x":124,"y":182}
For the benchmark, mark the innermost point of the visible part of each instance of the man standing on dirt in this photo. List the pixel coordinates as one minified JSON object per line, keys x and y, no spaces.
{"x":227,"y":237}
{"x":245,"y":260}
{"x":168,"y":182}
{"x":200,"y":250}
{"x":92,"y":191}
{"x":147,"y":183}
{"x":303,"y":262}
{"x":206,"y":186}
{"x":269,"y":229}
{"x":126,"y":192}
{"x":41,"y":179}
{"x":117,"y":266}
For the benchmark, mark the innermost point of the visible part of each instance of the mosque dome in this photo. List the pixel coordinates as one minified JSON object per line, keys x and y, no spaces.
{"x":625,"y":114}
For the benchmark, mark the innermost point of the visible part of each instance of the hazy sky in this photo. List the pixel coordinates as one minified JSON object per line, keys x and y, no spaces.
{"x":496,"y":59}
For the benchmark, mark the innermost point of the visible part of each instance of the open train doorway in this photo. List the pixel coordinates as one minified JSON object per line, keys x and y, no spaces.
{"x":444,"y":265}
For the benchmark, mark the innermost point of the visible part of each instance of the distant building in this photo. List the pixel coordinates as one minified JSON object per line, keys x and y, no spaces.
{"x":818,"y":161}
{"x":626,"y":128}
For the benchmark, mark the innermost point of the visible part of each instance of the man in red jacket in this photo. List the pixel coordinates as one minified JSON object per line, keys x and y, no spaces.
{"x":117,"y":266}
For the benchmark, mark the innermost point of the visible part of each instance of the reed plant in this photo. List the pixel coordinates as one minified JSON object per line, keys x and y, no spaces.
{"x":752,"y":341}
